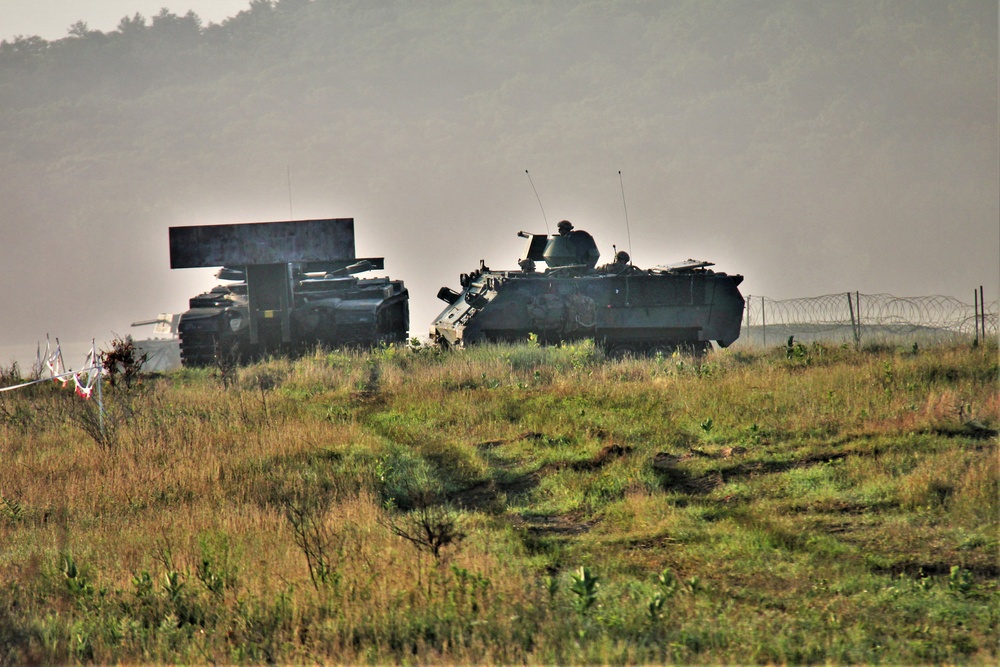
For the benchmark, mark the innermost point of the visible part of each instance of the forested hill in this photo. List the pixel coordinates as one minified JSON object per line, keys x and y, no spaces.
{"x":802,"y":144}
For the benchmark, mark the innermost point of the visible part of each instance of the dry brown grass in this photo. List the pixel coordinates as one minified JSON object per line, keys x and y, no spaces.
{"x":774,"y":473}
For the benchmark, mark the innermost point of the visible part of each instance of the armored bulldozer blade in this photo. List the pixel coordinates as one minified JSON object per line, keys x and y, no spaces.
{"x":248,"y":243}
{"x":296,"y":288}
{"x":264,"y":250}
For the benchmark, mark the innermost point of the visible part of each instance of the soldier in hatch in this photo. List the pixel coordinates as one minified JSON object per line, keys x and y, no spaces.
{"x":583,"y":243}
{"x":621,"y":264}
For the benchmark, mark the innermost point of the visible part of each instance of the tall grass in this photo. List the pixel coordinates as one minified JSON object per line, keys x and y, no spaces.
{"x":794,"y":504}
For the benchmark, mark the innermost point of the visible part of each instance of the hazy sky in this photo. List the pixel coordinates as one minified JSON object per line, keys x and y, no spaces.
{"x":814,"y":146}
{"x":50,"y":19}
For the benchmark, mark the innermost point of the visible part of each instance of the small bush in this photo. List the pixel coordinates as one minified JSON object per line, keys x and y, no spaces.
{"x":122,"y":363}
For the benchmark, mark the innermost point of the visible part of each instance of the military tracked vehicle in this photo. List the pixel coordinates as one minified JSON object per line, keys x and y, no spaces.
{"x":292,"y":285}
{"x":626,"y":310}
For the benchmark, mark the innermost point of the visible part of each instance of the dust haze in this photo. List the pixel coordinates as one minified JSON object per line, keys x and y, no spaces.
{"x":812,"y":147}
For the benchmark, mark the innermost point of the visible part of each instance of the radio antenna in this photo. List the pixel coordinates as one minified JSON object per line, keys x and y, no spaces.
{"x":539,"y":202}
{"x":288,"y":174}
{"x":628,"y":232}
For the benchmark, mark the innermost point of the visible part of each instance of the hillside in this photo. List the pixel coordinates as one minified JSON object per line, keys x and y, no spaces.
{"x":813,"y":148}
{"x":510,"y":504}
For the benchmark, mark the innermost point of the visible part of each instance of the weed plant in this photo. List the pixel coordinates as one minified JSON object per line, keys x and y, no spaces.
{"x":510,"y":504}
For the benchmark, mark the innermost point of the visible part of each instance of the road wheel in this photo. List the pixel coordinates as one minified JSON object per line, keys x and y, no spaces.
{"x":662,"y":350}
{"x":622,"y":351}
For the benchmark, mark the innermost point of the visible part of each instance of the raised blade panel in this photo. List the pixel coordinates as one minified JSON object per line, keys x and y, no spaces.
{"x":262,"y":243}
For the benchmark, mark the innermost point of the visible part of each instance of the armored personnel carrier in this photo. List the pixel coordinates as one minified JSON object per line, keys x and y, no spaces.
{"x":626,"y":310}
{"x":293,"y":285}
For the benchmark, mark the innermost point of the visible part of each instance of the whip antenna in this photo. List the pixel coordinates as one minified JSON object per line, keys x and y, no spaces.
{"x":288,"y":173}
{"x":539,"y":202}
{"x":628,"y":232}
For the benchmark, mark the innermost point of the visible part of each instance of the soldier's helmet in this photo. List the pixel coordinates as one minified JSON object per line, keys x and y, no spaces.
{"x":564,"y":226}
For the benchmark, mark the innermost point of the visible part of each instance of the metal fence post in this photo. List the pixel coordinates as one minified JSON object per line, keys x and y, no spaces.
{"x":857,"y":304}
{"x":763,"y":323}
{"x":748,"y":302}
{"x":975,"y":305}
{"x":982,"y":308}
{"x":854,"y":327}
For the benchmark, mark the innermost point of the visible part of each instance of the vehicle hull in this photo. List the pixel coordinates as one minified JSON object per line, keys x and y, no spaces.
{"x":636,"y":312}
{"x":362,"y":313}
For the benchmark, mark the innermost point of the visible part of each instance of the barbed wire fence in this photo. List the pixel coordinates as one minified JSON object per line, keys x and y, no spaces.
{"x":851,"y":317}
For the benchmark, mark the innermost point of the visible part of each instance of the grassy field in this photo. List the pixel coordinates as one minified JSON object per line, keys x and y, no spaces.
{"x":514,"y":504}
